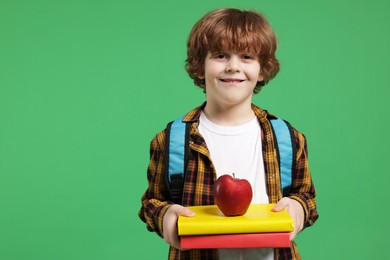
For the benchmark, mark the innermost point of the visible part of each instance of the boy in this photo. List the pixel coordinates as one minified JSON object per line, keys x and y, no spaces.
{"x":230,"y":55}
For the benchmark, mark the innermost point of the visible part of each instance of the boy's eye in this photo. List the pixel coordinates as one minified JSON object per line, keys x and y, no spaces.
{"x":248,"y":57}
{"x":220,"y":56}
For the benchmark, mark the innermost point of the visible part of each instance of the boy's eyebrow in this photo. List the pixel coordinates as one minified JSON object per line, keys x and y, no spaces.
{"x":233,"y":51}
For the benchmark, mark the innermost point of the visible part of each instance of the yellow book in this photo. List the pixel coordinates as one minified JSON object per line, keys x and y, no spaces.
{"x":258,"y":219}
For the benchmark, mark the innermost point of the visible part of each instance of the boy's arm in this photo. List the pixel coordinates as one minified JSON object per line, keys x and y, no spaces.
{"x":302,"y":188}
{"x":154,"y":202}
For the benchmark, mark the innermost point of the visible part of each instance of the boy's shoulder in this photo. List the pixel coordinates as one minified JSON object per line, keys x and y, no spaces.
{"x":265,"y":114}
{"x":192,"y":116}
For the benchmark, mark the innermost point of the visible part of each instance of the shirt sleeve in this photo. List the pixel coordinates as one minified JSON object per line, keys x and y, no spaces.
{"x":154,"y":202}
{"x":302,"y":188}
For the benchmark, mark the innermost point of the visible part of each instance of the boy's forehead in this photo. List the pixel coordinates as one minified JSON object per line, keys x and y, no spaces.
{"x":226,"y":45}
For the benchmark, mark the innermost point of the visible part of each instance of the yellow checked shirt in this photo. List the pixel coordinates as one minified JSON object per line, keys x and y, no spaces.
{"x":200,"y":177}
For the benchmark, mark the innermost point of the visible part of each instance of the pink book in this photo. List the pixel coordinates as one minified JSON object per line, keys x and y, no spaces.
{"x":250,"y":240}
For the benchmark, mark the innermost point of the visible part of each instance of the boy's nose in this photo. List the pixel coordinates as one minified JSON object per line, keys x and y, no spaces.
{"x":233,"y":64}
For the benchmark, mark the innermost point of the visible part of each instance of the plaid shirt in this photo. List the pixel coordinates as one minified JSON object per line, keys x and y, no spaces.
{"x":200,"y":177}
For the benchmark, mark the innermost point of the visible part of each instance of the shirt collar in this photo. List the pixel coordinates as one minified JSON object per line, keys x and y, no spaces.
{"x":194,"y":115}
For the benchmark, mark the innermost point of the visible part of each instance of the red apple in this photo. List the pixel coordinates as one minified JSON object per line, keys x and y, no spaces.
{"x":232,"y":196}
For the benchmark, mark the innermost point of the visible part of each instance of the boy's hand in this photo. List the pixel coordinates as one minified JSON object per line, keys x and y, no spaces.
{"x":294,"y":208}
{"x":170,"y":224}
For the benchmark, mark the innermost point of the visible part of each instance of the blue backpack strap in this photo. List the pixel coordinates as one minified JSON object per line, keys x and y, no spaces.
{"x":177,"y":134}
{"x":176,"y":157}
{"x":286,"y":151}
{"x":176,"y":148}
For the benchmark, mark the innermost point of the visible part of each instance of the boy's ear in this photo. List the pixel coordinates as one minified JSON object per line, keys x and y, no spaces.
{"x":260,"y":78}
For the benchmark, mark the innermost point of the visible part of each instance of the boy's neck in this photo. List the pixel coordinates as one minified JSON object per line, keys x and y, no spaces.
{"x":229,"y":115}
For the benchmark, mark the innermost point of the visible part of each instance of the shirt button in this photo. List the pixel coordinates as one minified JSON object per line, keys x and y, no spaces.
{"x":191,"y":142}
{"x":268,"y":138}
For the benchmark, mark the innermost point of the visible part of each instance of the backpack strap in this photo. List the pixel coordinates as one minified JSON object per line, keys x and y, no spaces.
{"x":286,"y":151}
{"x":177,"y":134}
{"x":177,"y":146}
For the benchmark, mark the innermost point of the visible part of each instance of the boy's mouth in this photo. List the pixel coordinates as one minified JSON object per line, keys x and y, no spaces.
{"x":232,"y":80}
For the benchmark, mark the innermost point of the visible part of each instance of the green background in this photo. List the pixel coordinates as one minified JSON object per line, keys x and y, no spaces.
{"x":85,"y":85}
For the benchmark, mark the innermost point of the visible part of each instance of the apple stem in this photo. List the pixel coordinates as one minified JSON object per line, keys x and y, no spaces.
{"x":234,"y":175}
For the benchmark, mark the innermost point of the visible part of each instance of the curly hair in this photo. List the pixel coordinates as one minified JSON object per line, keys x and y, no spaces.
{"x":232,"y":30}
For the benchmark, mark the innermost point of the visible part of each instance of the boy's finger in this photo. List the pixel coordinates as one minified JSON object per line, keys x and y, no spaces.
{"x":281,"y":204}
{"x":185,"y":212}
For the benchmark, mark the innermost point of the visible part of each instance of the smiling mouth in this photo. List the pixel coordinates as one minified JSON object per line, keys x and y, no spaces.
{"x":232,"y":80}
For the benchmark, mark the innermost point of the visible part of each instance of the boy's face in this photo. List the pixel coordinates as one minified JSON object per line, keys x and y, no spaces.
{"x":230,"y":78}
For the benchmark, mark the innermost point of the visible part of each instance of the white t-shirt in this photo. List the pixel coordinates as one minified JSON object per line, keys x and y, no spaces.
{"x":238,"y":150}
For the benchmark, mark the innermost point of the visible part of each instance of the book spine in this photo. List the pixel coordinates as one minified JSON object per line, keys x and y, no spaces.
{"x":254,"y":240}
{"x":211,"y":228}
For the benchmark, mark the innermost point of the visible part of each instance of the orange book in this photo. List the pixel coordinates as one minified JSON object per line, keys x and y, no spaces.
{"x":259,"y":218}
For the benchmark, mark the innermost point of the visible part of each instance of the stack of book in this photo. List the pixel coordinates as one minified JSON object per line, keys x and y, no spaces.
{"x":260,"y":227}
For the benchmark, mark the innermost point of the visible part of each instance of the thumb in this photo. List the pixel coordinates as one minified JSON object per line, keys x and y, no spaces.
{"x":281,"y":204}
{"x":182,"y":211}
